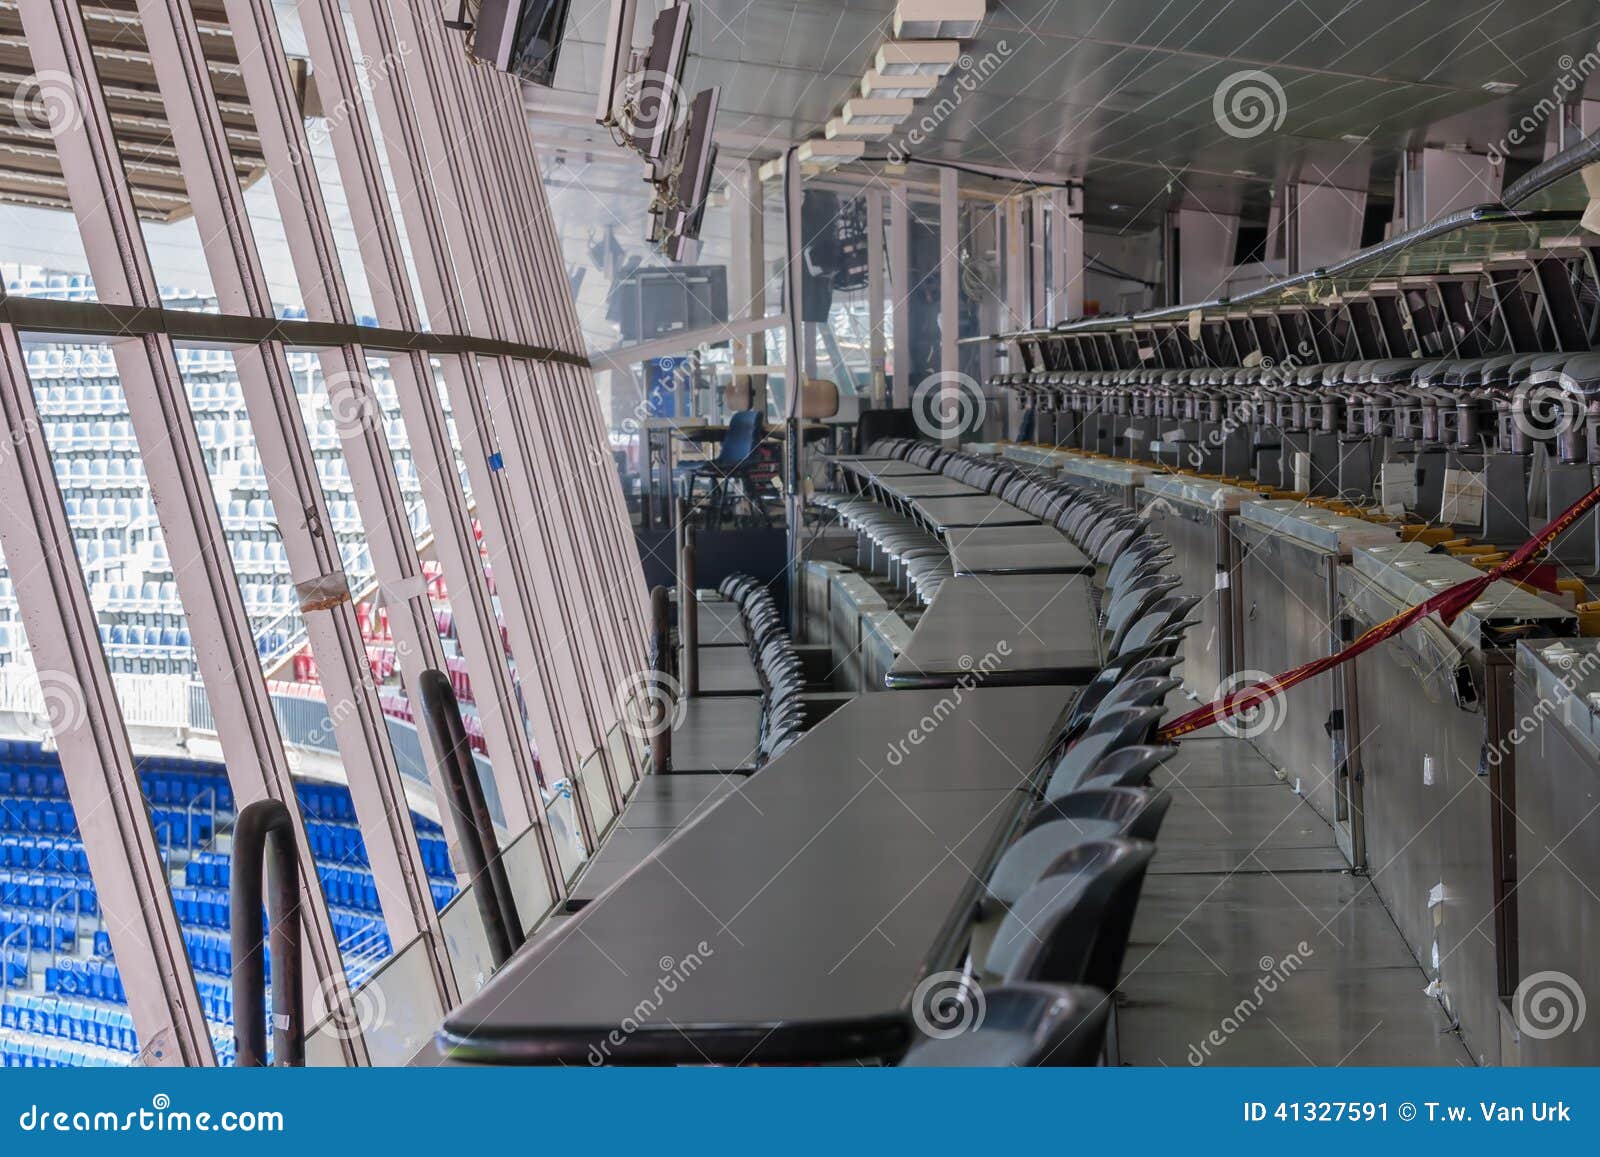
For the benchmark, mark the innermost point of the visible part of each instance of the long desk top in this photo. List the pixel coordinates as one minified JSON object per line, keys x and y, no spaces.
{"x":1038,"y":549}
{"x":793,"y":921}
{"x":727,"y":671}
{"x":998,"y":630}
{"x":720,"y":623}
{"x":872,"y":468}
{"x":717,"y":733}
{"x":909,"y":488}
{"x":981,"y":510}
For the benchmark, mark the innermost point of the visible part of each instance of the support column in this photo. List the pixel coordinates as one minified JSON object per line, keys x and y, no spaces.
{"x":1205,"y":253}
{"x":1322,"y":224}
{"x":900,"y":277}
{"x":1437,"y":182}
{"x":949,"y":293}
{"x":875,"y":295}
{"x":747,"y":282}
{"x":1038,"y":262}
{"x":1066,"y":255}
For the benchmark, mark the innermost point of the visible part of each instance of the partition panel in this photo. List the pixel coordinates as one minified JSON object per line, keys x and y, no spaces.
{"x":331,"y":625}
{"x":87,"y":723}
{"x":354,"y":404}
{"x":358,"y":161}
{"x":159,"y":410}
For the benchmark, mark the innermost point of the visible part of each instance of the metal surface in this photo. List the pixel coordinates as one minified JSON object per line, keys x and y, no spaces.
{"x":1557,"y":915}
{"x":1191,"y":518}
{"x":1435,"y":801}
{"x":1290,"y":614}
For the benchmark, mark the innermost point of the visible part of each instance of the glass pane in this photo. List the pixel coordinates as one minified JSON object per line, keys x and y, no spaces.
{"x":41,"y":251}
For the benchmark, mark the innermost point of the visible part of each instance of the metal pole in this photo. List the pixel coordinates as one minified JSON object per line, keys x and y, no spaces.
{"x":689,"y":618}
{"x":264,"y":843}
{"x":661,"y":649}
{"x":481,"y":850}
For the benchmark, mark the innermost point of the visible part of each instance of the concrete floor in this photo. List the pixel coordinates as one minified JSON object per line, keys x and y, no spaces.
{"x":1253,"y":945}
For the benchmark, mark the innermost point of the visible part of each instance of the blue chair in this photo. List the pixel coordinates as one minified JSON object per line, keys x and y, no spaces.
{"x":735,"y":461}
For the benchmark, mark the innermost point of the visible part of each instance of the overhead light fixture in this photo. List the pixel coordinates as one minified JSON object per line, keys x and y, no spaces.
{"x":1500,"y":87}
{"x":839,"y":127}
{"x":875,"y":84}
{"x":917,"y":58}
{"x":818,"y":154}
{"x":929,"y":19}
{"x":868,"y":111}
{"x":1244,"y":172}
{"x":1353,"y":138}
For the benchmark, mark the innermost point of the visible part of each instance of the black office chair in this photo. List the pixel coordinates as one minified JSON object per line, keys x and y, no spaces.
{"x":1024,"y":1026}
{"x":736,"y":461}
{"x":1072,"y":926}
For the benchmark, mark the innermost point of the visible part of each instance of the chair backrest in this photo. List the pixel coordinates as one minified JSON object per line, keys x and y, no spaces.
{"x":1121,"y":727}
{"x":1072,"y":926}
{"x":1137,"y":811}
{"x":1024,"y":1026}
{"x":742,"y":438}
{"x":1126,"y":767}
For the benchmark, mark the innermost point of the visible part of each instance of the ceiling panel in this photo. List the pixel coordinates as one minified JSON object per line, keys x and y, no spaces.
{"x":1121,"y":92}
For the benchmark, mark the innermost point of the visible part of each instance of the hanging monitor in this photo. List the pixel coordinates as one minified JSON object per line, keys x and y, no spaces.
{"x":521,"y":37}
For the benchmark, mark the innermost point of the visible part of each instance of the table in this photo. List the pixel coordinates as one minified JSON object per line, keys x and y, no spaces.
{"x":1037,"y":549}
{"x":720,"y":623}
{"x":727,"y":671}
{"x":910,"y":487}
{"x":795,"y":919}
{"x":982,"y":510}
{"x":1003,"y":630}
{"x":719,"y":733}
{"x":870,"y":468}
{"x":661,"y":804}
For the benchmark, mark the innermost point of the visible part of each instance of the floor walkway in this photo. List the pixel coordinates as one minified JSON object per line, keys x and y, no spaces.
{"x":1254,"y":945}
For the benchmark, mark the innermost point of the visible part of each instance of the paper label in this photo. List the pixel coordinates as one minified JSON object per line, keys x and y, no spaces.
{"x":1397,"y":487}
{"x":1463,"y":497}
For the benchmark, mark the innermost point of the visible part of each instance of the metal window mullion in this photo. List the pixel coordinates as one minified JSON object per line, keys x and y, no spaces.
{"x":432,"y":90}
{"x":482,"y":192}
{"x":525,"y":475}
{"x":80,"y":700}
{"x":511,"y":756}
{"x":352,"y":400}
{"x":616,"y":575}
{"x":411,"y":120}
{"x":376,"y":787}
{"x":519,"y":598}
{"x":622,"y":579}
{"x":253,"y":753}
{"x":448,"y":304}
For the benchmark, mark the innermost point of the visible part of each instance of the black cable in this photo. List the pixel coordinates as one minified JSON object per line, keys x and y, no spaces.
{"x":1098,"y":266}
{"x":976,"y":172}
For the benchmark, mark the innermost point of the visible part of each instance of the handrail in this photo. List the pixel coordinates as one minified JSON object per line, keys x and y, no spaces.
{"x":24,"y":930}
{"x":264,"y":845}
{"x":660,"y":657}
{"x":689,"y":616}
{"x":479,"y":845}
{"x":77,"y":915}
{"x":188,"y":817}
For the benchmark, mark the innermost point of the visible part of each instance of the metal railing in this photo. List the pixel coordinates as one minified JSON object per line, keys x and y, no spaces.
{"x":265,"y":867}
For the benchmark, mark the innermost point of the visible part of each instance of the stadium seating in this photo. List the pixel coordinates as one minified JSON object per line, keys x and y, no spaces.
{"x":62,"y":1001}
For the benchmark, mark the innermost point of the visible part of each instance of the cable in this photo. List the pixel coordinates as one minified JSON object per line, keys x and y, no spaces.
{"x":976,"y":172}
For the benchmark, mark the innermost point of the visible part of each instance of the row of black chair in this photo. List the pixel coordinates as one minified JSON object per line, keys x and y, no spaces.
{"x":782,"y":673}
{"x":1048,"y":942}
